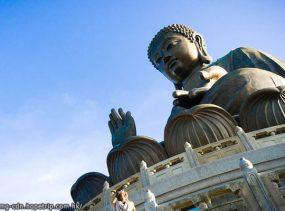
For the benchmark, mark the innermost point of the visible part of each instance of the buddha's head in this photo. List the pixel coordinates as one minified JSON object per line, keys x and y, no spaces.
{"x":176,"y":51}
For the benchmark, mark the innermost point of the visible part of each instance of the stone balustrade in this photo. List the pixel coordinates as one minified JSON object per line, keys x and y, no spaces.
{"x":196,"y":165}
{"x":267,"y":137}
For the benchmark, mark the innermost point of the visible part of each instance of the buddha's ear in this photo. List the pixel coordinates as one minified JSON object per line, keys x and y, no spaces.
{"x":199,"y":42}
{"x":201,"y":47}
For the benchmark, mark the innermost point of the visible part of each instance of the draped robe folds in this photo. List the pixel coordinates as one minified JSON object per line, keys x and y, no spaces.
{"x":250,"y":58}
{"x":235,"y":60}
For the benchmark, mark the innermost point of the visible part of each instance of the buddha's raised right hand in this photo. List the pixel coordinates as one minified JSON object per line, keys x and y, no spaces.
{"x":122,"y":126}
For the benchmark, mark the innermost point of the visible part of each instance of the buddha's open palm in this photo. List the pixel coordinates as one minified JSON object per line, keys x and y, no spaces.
{"x":122,"y":126}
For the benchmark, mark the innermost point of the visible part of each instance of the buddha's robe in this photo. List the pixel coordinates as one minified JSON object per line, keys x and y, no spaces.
{"x":237,"y":59}
{"x":250,"y":58}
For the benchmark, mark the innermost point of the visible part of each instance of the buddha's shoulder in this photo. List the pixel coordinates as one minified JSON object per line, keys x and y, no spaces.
{"x":233,"y":55}
{"x":244,"y":50}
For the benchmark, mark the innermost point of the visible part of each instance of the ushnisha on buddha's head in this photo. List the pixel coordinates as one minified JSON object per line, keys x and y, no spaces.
{"x":177,"y":51}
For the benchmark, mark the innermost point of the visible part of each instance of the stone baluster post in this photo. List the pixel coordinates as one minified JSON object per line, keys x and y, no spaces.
{"x":256,"y":185}
{"x":244,"y":139}
{"x":144,"y":174}
{"x":150,"y":203}
{"x":191,"y":156}
{"x":106,"y":194}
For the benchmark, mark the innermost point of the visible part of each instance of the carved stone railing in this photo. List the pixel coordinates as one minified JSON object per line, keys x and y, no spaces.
{"x":232,"y":205}
{"x":94,"y":204}
{"x":219,"y":149}
{"x":169,"y":167}
{"x":192,"y":158}
{"x":220,"y":197}
{"x":268,"y":136}
{"x":131,"y":185}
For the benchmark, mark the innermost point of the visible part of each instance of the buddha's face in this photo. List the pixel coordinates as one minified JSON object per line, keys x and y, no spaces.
{"x":175,"y":56}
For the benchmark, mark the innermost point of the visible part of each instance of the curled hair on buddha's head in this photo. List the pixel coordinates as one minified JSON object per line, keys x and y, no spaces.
{"x":183,"y":30}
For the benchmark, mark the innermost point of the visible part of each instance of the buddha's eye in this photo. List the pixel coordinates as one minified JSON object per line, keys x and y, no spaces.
{"x":172,"y":44}
{"x":158,"y":60}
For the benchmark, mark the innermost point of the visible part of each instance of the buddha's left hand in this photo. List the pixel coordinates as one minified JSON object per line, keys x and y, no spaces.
{"x":210,"y":76}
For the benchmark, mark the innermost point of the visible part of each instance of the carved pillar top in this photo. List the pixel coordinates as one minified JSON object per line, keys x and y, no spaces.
{"x":106,"y":186}
{"x":245,"y":164}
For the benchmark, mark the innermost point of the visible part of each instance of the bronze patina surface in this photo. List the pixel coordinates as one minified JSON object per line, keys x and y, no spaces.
{"x":180,"y":53}
{"x":200,"y":125}
{"x":264,"y":108}
{"x":88,"y":186}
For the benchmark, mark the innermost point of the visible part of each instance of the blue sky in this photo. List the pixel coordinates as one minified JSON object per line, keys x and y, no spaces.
{"x":64,"y":64}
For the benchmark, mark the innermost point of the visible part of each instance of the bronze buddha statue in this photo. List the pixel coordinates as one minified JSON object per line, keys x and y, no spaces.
{"x":180,"y":54}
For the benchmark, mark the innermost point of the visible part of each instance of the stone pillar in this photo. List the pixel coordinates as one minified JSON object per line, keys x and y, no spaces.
{"x":144,"y":174}
{"x":106,"y":194}
{"x":256,"y":185}
{"x":191,"y":156}
{"x":245,"y":140}
{"x":150,"y":203}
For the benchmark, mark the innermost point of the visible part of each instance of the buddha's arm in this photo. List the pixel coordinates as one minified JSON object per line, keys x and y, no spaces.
{"x":213,"y":74}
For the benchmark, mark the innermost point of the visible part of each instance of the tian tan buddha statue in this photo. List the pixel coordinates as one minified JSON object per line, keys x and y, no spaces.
{"x":244,"y":88}
{"x":180,"y":54}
